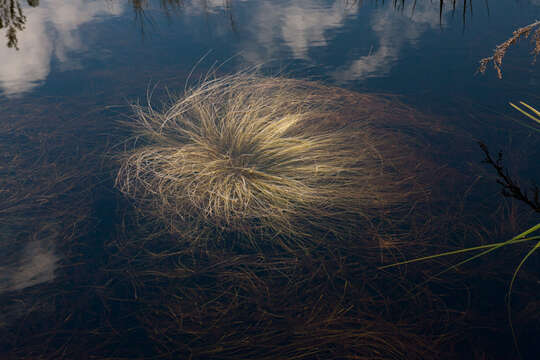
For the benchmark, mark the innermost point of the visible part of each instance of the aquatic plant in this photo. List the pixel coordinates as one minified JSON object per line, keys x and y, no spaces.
{"x":509,"y":189}
{"x":501,"y":49}
{"x":285,"y":164}
{"x":262,"y":155}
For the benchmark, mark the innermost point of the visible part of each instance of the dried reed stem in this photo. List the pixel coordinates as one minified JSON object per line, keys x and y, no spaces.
{"x":500,"y":50}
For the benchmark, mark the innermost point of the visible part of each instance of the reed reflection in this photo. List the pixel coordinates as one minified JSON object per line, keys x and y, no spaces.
{"x":13,"y":20}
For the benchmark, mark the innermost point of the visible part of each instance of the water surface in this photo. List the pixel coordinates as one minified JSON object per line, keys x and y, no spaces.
{"x":72,"y":67}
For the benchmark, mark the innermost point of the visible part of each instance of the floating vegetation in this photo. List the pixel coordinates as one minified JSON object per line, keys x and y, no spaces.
{"x":265,"y":156}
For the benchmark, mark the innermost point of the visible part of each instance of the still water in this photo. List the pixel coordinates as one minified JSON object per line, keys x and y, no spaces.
{"x":70,"y":70}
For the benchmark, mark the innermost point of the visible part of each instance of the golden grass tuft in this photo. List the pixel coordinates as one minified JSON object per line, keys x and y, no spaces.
{"x":260,"y":155}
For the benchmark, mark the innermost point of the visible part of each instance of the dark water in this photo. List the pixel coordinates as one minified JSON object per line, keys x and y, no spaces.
{"x":69,"y":70}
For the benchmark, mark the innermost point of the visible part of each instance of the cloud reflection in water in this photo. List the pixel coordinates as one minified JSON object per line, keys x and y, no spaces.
{"x":51,"y":31}
{"x":274,"y":30}
{"x":394,"y":32}
{"x":35,"y":265}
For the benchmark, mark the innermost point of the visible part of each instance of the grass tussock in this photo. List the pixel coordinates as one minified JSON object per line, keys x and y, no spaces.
{"x":262,"y":155}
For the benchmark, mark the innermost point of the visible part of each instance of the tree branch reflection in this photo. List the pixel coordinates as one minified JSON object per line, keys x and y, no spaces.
{"x":13,"y":20}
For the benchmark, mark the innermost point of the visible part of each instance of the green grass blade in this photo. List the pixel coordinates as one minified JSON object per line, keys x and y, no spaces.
{"x":516,"y":239}
{"x":510,"y":288}
{"x":456,"y":252}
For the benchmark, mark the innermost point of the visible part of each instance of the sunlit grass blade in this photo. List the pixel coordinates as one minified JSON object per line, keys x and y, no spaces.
{"x":529,"y":115}
{"x":530,"y":107}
